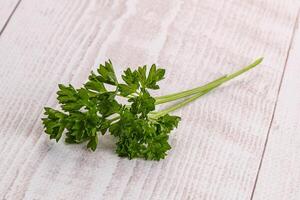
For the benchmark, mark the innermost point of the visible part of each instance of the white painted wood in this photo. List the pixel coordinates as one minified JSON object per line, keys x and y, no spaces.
{"x":279,"y":177}
{"x":218,"y":146}
{"x":6,"y":8}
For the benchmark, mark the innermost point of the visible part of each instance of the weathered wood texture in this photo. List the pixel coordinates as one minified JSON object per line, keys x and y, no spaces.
{"x":279,"y":177}
{"x":219,"y":143}
{"x":6,"y":9}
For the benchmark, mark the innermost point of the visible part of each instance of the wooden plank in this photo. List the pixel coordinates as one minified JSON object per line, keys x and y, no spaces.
{"x":218,"y":146}
{"x":279,"y":177}
{"x":6,"y":9}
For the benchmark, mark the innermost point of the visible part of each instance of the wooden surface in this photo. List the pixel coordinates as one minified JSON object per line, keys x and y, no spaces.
{"x":239,"y":142}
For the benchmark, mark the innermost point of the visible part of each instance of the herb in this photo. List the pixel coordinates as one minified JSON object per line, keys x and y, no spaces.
{"x":141,"y":132}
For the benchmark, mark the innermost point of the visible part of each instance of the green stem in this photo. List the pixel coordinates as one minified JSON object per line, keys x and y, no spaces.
{"x":217,"y":82}
{"x":128,"y":96}
{"x":114,"y":119}
{"x":183,"y":103}
{"x":179,"y":95}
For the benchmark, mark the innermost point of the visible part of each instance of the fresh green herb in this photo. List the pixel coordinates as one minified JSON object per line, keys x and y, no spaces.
{"x":140,"y":131}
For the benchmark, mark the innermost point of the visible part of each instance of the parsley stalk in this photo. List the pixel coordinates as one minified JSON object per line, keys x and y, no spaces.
{"x":208,"y":86}
{"x":181,"y":104}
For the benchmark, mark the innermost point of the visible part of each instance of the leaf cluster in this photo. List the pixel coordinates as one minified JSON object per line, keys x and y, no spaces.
{"x":96,"y":108}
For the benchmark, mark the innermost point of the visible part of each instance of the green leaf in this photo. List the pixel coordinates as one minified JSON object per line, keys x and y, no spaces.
{"x":131,"y":78}
{"x":104,"y":126}
{"x":69,"y":98}
{"x":126,"y":90}
{"x":107,"y":74}
{"x":142,"y":104}
{"x":94,"y":84}
{"x":54,"y":123}
{"x":132,"y":83}
{"x":154,"y":76}
{"x":93,"y":143}
{"x":106,"y":104}
{"x":142,"y":75}
{"x":169,"y":122}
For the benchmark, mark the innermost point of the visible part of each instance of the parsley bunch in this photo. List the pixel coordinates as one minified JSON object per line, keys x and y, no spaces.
{"x":140,"y":131}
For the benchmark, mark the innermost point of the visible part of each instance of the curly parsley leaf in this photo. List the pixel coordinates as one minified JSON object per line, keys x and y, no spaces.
{"x":139,"y":137}
{"x":142,"y":104}
{"x":55,"y":123}
{"x":107,"y":73}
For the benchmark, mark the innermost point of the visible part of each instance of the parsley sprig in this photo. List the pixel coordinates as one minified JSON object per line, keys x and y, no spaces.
{"x":140,"y":130}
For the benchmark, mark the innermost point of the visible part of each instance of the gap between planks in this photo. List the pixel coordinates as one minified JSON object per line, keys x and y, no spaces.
{"x":9,"y":17}
{"x":275,"y":106}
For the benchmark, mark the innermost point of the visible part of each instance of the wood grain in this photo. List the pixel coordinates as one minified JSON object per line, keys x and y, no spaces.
{"x":6,"y":10}
{"x":218,"y":146}
{"x":279,"y":177}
